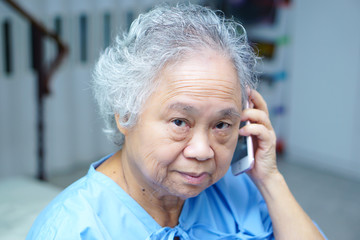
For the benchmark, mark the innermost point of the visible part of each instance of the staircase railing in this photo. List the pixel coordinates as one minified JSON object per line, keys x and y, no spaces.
{"x":44,"y":74}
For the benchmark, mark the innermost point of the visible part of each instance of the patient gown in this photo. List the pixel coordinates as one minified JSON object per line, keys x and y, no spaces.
{"x":95,"y":207}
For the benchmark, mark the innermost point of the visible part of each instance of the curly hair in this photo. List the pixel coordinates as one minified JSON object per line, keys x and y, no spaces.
{"x":125,"y":74}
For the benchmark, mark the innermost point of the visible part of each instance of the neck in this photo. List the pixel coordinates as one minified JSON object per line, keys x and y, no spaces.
{"x":165,"y":209}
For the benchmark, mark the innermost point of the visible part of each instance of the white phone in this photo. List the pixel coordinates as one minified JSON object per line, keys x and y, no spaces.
{"x":243,"y":158}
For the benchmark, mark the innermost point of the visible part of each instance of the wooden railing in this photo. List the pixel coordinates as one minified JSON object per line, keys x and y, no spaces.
{"x":44,"y":74}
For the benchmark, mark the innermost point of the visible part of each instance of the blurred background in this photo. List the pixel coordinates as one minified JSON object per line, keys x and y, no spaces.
{"x":50,"y":130}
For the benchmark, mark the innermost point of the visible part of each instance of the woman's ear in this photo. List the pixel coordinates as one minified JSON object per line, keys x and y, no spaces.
{"x":122,"y":129}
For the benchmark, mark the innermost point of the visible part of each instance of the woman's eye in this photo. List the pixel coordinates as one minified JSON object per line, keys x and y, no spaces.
{"x":222,"y":125}
{"x":179,"y":122}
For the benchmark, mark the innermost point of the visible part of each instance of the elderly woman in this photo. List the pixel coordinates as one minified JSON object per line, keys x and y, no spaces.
{"x":172,"y":93}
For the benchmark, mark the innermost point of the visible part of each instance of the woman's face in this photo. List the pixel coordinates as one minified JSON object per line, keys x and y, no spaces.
{"x":185,"y":137}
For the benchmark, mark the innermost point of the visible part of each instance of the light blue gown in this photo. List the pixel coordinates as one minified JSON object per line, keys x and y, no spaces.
{"x":95,"y":207}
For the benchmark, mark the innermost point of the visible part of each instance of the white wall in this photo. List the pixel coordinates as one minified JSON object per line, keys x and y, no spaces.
{"x":324,"y":115}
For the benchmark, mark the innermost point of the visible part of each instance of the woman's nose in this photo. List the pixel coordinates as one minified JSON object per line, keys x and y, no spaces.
{"x":199,"y":148}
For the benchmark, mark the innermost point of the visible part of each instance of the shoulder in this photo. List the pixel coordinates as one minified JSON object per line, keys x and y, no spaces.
{"x":69,"y":213}
{"x":74,"y":211}
{"x":94,"y":207}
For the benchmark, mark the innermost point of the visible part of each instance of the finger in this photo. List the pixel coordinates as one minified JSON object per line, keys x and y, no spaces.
{"x":260,"y":131}
{"x":256,"y":116}
{"x":258,"y":101}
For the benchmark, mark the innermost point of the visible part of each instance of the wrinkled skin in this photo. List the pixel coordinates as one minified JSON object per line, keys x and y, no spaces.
{"x":186,"y":135}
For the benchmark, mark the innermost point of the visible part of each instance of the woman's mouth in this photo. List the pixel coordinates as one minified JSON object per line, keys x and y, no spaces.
{"x":195,"y":178}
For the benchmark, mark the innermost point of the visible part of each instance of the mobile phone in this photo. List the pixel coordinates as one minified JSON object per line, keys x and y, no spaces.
{"x":243,"y":158}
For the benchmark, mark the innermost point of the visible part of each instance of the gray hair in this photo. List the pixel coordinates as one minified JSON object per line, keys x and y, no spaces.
{"x":124,"y":76}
